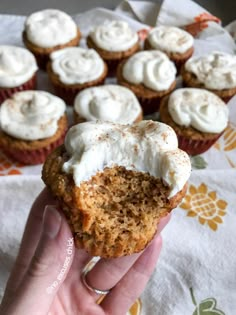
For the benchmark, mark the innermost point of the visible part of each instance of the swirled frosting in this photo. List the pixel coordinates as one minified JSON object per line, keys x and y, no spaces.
{"x":198,"y":108}
{"x":170,"y":39}
{"x":216,"y":70}
{"x":151,"y":68}
{"x":146,"y":146}
{"x":49,"y":28}
{"x":108,"y":103}
{"x":114,"y":36}
{"x":31,"y":115}
{"x":17,"y":66}
{"x":75,"y":65}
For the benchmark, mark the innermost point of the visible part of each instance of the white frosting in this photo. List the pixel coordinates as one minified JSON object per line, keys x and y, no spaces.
{"x":17,"y":66}
{"x":75,"y":65}
{"x":198,"y":108}
{"x":146,"y":147}
{"x":114,"y":36}
{"x":108,"y":103}
{"x":49,"y":28}
{"x":216,"y":70}
{"x":151,"y":68}
{"x":31,"y":115}
{"x":170,"y":39}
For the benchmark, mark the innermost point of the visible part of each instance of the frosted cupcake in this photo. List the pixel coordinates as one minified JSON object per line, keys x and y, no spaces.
{"x":74,"y":69}
{"x":175,"y":42}
{"x":17,"y":71}
{"x":47,"y":31}
{"x":150,"y":75}
{"x":114,"y":41}
{"x":198,"y":117}
{"x":112,"y":103}
{"x":32,"y":124}
{"x":215,"y":72}
{"x":115,"y":182}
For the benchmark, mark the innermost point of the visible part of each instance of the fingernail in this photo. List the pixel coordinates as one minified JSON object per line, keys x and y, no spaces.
{"x":51,"y":221}
{"x":163,"y":222}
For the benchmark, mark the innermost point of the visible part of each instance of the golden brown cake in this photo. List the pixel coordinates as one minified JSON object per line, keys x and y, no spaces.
{"x":198,"y":117}
{"x":47,"y":31}
{"x":114,"y":202}
{"x":150,"y":75}
{"x":33,"y":124}
{"x":214,"y":72}
{"x":114,"y":41}
{"x":73,"y":69}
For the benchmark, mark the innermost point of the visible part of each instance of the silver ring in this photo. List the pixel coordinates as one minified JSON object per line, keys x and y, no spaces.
{"x":83,"y":276}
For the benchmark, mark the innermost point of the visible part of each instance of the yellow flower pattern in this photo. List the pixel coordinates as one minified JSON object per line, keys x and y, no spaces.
{"x":204,"y":205}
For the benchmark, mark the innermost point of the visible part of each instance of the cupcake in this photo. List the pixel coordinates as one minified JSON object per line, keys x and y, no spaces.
{"x":47,"y":31}
{"x":175,"y":42}
{"x":198,"y":117}
{"x":32,"y":124}
{"x":112,"y":103}
{"x":17,"y":71}
{"x":73,"y":69}
{"x":150,"y":75}
{"x":215,"y":72}
{"x":114,"y":41}
{"x":115,"y":182}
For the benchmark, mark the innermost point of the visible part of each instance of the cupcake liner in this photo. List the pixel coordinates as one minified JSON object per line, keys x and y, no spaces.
{"x":150,"y":106}
{"x":6,"y":93}
{"x":32,"y":157}
{"x":195,"y":147}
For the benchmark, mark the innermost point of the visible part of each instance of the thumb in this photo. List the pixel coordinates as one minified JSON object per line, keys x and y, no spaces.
{"x":49,"y":266}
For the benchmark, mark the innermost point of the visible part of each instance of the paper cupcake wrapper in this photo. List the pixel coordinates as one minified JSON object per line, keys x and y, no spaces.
{"x":32,"y":157}
{"x":68,"y":93}
{"x":195,"y":147}
{"x":6,"y":93}
{"x":150,"y":106}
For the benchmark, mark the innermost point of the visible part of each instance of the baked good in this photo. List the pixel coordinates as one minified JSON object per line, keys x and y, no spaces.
{"x":115,"y":182}
{"x":215,"y":72}
{"x":17,"y":71}
{"x":32,"y":124}
{"x":150,"y":75}
{"x":175,"y":42}
{"x":114,"y":41}
{"x":198,"y":117}
{"x":73,"y":69}
{"x":47,"y":31}
{"x":109,"y":102}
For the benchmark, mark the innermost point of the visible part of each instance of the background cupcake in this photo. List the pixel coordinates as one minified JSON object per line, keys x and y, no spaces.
{"x":118,"y":182}
{"x":32,"y":124}
{"x":198,"y":117}
{"x":175,"y":42}
{"x":49,"y":30}
{"x":114,"y":41}
{"x":150,"y":75}
{"x":112,"y":103}
{"x":215,"y":72}
{"x":17,"y":71}
{"x":73,"y":69}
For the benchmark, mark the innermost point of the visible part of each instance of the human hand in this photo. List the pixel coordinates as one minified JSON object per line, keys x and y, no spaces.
{"x":46,"y":277}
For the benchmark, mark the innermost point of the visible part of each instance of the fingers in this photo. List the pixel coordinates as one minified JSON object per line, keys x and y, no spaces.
{"x":130,"y":287}
{"x":30,"y":240}
{"x":48,"y":267}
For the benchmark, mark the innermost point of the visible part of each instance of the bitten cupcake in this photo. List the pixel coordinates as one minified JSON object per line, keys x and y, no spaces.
{"x":150,"y":75}
{"x":115,"y":182}
{"x":74,"y":69}
{"x":32,"y":124}
{"x":198,"y":117}
{"x":215,"y":72}
{"x":112,"y":103}
{"x":17,"y":71}
{"x":114,"y":41}
{"x":175,"y":42}
{"x":47,"y":31}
